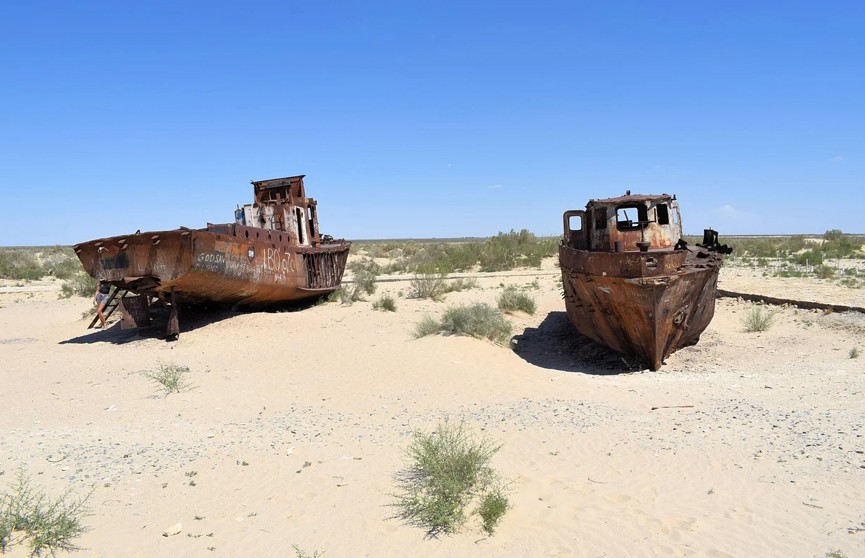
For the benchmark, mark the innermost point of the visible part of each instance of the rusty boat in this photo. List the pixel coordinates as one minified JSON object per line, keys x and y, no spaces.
{"x":272,"y":253}
{"x":631,"y":282}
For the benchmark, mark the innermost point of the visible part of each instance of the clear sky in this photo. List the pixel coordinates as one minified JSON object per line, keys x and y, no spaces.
{"x":429,"y":118}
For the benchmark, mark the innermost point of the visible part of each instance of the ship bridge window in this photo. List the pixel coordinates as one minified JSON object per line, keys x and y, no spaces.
{"x":663,"y":214}
{"x":575,"y":223}
{"x":631,"y":217}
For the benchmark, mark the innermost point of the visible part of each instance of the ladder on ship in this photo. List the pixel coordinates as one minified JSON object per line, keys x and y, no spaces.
{"x":110,"y":305}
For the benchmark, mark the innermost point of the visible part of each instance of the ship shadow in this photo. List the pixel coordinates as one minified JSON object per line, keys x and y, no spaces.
{"x":555,"y":344}
{"x":191,"y":317}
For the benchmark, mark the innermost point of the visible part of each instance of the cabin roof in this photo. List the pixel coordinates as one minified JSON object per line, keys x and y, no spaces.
{"x":277,"y":182}
{"x":630,"y":198}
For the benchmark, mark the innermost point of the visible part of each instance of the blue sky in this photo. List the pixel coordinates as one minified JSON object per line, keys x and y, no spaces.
{"x":429,"y":119}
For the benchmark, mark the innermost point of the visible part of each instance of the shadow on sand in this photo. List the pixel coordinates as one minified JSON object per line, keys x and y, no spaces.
{"x":190,"y":318}
{"x":556,"y":345}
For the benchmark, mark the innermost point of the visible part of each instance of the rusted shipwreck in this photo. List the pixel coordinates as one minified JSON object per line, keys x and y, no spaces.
{"x":631,"y":282}
{"x":273,"y":253}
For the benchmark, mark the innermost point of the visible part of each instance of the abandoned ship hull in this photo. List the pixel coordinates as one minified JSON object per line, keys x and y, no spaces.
{"x":643,"y":304}
{"x":229,"y":264}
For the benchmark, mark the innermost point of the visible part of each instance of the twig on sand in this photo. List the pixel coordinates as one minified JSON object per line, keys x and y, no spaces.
{"x":813,"y":505}
{"x":596,"y":482}
{"x":673,"y":407}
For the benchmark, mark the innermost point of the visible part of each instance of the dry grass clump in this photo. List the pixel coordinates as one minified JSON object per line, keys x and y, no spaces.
{"x":476,"y":320}
{"x":171,"y":378}
{"x":758,"y":319}
{"x":364,"y":273}
{"x":301,"y":553}
{"x":386,"y":303}
{"x":435,"y":286}
{"x":448,"y":472}
{"x":80,"y":284}
{"x":428,"y":285}
{"x":512,"y":300}
{"x":854,"y":352}
{"x":28,"y":515}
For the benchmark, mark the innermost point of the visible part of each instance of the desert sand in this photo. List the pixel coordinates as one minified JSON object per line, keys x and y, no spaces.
{"x":746,"y":444}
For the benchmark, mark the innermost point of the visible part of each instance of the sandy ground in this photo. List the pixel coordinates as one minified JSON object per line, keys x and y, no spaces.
{"x":747,"y":444}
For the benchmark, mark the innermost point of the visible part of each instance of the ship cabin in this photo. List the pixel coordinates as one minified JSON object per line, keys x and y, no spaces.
{"x":629,"y":223}
{"x":281,"y":205}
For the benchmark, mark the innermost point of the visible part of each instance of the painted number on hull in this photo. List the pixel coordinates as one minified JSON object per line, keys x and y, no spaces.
{"x":277,"y":262}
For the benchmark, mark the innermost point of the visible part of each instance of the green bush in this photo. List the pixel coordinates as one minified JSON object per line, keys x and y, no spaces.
{"x":854,"y":353}
{"x":494,"y":504}
{"x":364,"y":273}
{"x":428,"y":285}
{"x":19,"y":264}
{"x":171,"y":378}
{"x":426,"y":326}
{"x":60,"y":262}
{"x":386,"y":303}
{"x":447,"y":471}
{"x":461,"y":284}
{"x":507,"y":251}
{"x":512,"y":300}
{"x":477,"y":320}
{"x":45,"y":523}
{"x":79,"y":284}
{"x":757,"y":320}
{"x":502,"y":252}
{"x":824,"y":272}
{"x":812,"y":257}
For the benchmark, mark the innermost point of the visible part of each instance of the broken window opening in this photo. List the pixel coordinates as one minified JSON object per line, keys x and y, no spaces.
{"x":631,"y":217}
{"x":310,"y":217}
{"x":663,"y":214}
{"x":298,"y":213}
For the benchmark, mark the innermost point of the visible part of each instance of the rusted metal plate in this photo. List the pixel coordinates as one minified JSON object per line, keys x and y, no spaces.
{"x":632,"y":285}
{"x":136,"y":312}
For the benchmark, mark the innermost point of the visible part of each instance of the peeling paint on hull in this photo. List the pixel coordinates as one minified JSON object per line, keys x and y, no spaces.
{"x":201,"y":265}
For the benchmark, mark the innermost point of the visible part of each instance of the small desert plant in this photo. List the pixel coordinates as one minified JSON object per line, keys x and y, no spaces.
{"x":854,"y":352}
{"x":301,"y":553}
{"x":492,"y":508}
{"x":448,"y":470}
{"x":170,"y":377}
{"x":758,"y":319}
{"x":459,"y":285}
{"x":28,"y":515}
{"x":512,"y":300}
{"x":364,"y":274}
{"x":426,"y":326}
{"x":835,"y":554}
{"x":824,"y":272}
{"x":477,"y":320}
{"x":386,"y":303}
{"x":428,"y":285}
